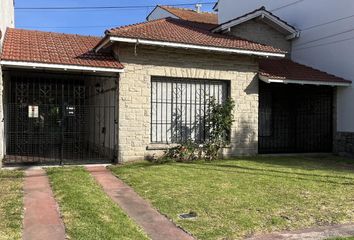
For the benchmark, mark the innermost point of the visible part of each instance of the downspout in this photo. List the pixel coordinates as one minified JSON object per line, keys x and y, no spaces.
{"x":136,"y":48}
{"x":116,"y":122}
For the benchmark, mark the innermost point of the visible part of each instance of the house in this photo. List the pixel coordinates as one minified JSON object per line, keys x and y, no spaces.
{"x":325,"y":43}
{"x":6,"y":20}
{"x":144,"y":87}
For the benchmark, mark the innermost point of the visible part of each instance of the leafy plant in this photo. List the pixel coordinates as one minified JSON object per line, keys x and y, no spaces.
{"x":218,"y":122}
{"x":220,"y":119}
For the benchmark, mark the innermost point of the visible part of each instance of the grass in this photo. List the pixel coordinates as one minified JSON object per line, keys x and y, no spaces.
{"x":342,"y":238}
{"x":87,"y":212}
{"x":11,"y":204}
{"x":241,"y":197}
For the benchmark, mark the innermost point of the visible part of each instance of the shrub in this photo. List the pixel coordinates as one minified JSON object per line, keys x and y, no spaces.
{"x":218,"y":121}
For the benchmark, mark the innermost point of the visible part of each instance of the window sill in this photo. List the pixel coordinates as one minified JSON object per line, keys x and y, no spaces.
{"x":165,"y":146}
{"x":161,"y":146}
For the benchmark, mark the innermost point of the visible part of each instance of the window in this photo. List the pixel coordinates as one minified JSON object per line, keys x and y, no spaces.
{"x":178,"y":108}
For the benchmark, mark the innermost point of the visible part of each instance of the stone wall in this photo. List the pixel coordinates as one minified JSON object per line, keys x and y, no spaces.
{"x":344,"y":144}
{"x":135,"y":86}
{"x":262,"y":33}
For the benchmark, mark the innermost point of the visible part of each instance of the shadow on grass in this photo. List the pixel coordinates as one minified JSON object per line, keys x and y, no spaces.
{"x":305,"y":163}
{"x":259,"y":172}
{"x":299,"y":163}
{"x":283,"y":172}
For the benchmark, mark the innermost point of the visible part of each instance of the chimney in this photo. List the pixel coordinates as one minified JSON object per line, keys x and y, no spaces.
{"x":198,"y":7}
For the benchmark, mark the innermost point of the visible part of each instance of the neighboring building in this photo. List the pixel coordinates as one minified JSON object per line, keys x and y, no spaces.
{"x":185,"y":14}
{"x":6,"y":20}
{"x":7,"y":16}
{"x":325,"y":42}
{"x":143,"y":88}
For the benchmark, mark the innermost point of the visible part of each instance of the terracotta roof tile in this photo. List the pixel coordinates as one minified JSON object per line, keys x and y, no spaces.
{"x":192,"y":15}
{"x":54,"y":48}
{"x":284,"y":69}
{"x":187,"y":32}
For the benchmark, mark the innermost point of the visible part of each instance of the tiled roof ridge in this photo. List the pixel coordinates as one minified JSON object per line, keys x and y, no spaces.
{"x":128,"y":26}
{"x":143,"y":24}
{"x":50,"y":32}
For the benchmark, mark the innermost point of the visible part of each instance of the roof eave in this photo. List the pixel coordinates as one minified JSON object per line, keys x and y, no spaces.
{"x":196,"y":47}
{"x":147,"y":17}
{"x":105,"y":42}
{"x":304,"y":82}
{"x":292,"y":33}
{"x":216,"y":6}
{"x":61,"y":67}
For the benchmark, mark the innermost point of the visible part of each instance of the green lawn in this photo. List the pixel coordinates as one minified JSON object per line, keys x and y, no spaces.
{"x":237,"y":198}
{"x":87,"y":212}
{"x":11,"y":204}
{"x":342,"y":238}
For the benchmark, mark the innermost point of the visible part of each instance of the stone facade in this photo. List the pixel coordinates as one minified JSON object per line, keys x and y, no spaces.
{"x":344,"y":144}
{"x":262,"y":33}
{"x":135,"y":89}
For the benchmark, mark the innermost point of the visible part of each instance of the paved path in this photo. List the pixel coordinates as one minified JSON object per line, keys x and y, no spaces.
{"x":317,"y":233}
{"x":42,"y":219}
{"x":157,"y":226}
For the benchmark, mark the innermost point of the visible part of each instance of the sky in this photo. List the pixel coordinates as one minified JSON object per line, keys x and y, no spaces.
{"x":88,"y":21}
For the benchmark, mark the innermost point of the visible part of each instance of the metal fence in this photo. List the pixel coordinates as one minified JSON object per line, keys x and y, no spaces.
{"x":294,"y":119}
{"x":49,"y":120}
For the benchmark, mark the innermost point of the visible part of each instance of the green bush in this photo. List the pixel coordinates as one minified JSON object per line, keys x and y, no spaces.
{"x":218,"y":121}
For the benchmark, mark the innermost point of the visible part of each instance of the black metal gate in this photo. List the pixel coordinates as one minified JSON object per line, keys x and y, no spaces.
{"x":295,"y":119}
{"x":60,"y":119}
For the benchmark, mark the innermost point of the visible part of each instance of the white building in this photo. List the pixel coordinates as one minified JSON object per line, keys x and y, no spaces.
{"x":326,"y":42}
{"x":7,"y":19}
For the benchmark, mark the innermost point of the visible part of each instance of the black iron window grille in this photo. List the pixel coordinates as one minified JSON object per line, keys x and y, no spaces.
{"x":179,"y":107}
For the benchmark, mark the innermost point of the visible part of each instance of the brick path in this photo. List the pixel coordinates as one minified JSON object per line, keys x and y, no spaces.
{"x":157,"y":226}
{"x":41,"y":219}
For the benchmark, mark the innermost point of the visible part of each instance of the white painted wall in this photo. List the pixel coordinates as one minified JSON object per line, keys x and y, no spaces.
{"x":159,"y":13}
{"x":7,"y":16}
{"x":329,"y":47}
{"x":102,"y":115}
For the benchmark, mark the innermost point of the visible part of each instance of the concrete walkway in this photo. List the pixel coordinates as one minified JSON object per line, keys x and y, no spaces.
{"x":317,"y":233}
{"x":41,"y":219}
{"x":157,"y":226}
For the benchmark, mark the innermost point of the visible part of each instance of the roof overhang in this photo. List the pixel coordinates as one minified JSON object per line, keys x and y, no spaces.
{"x":304,"y":82}
{"x":111,"y":39}
{"x":62,"y":67}
{"x":264,"y":16}
{"x":216,"y":6}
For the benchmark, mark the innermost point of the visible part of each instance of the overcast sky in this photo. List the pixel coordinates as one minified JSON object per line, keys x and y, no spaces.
{"x":88,"y":22}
